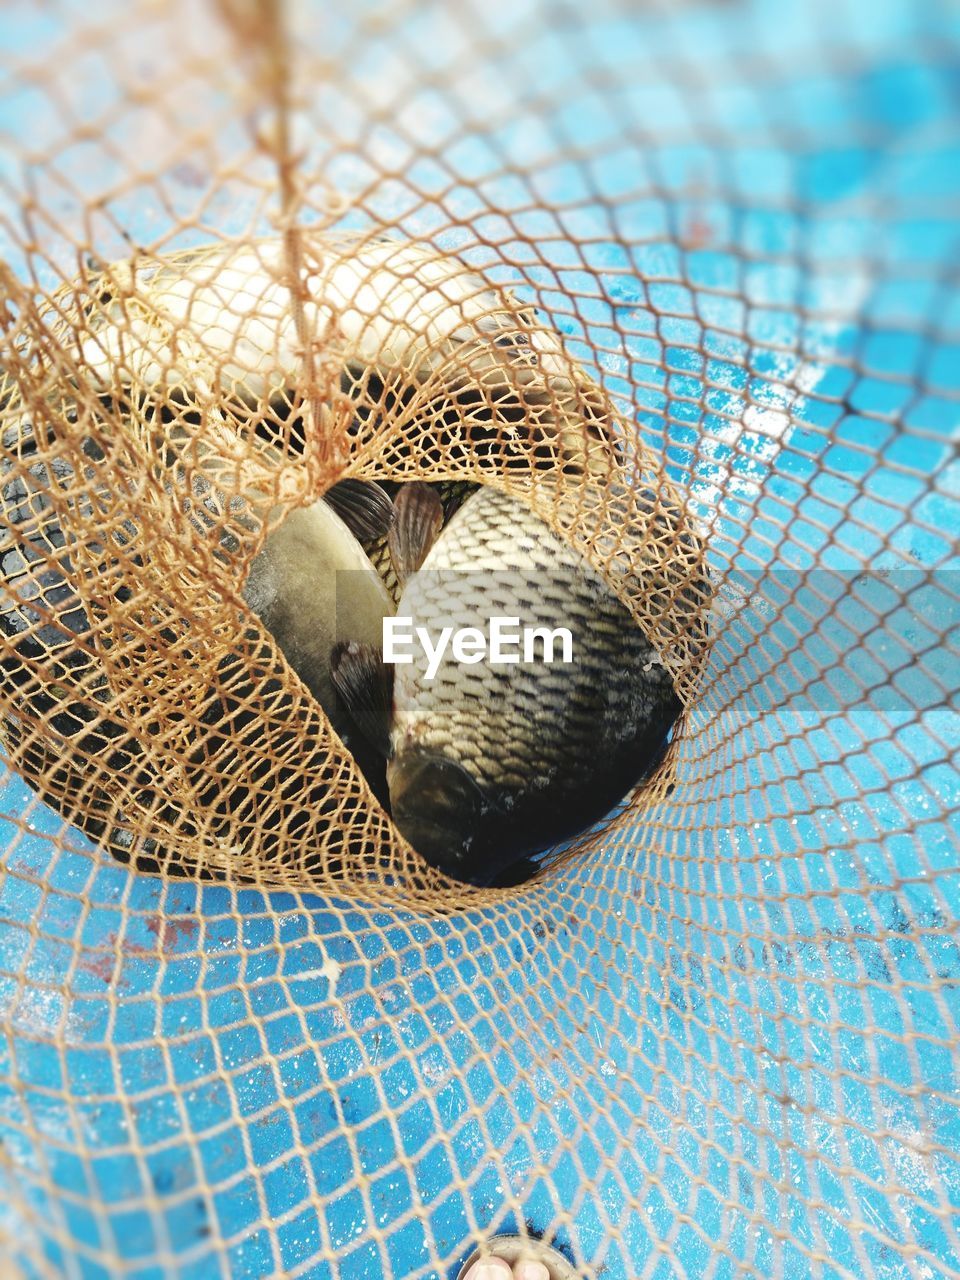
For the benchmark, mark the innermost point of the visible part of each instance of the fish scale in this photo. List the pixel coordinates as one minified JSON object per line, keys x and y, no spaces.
{"x":551,"y":746}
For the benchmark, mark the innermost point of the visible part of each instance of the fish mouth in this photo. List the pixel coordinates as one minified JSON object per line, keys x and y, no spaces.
{"x":438,"y":807}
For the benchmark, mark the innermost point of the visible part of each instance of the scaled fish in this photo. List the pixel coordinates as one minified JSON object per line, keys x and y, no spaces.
{"x":489,"y":763}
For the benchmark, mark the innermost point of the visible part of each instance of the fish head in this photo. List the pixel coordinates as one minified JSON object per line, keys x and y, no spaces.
{"x":439,"y":808}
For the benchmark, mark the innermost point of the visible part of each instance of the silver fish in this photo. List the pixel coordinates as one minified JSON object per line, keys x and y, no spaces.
{"x":489,"y":763}
{"x":222,"y":313}
{"x":311,"y":586}
{"x":414,"y":337}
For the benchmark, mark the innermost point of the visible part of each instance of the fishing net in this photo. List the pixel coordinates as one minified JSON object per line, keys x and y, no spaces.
{"x":682,"y":280}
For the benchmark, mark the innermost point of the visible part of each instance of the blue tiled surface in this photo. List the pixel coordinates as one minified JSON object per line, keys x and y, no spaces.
{"x":748,"y":1061}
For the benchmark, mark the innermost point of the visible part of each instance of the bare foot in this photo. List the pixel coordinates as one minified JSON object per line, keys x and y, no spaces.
{"x":497,"y":1269}
{"x":510,"y":1257}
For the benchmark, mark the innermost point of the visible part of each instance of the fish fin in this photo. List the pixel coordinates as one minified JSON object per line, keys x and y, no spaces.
{"x":418,"y":521}
{"x":365,"y":684}
{"x":363,"y":506}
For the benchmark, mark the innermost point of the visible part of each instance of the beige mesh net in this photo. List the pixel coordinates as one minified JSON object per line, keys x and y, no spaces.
{"x":679,"y":280}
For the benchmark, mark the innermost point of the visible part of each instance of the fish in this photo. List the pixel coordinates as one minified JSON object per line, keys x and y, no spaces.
{"x":311,"y":587}
{"x":384,"y":304}
{"x":311,"y":583}
{"x":399,"y":362}
{"x":441,"y":367}
{"x":490,"y":764}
